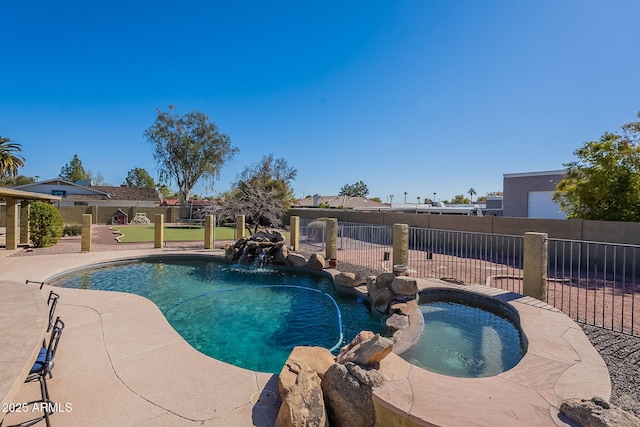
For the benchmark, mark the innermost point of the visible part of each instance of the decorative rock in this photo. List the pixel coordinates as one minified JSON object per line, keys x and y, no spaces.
{"x":361,"y":337}
{"x":384,"y":279}
{"x":597,"y":412}
{"x":400,"y":308}
{"x":396,"y":322}
{"x":367,"y":352}
{"x":317,"y":358}
{"x":382,"y":300}
{"x":316,"y":262}
{"x":296,"y":260}
{"x":370,"y":377}
{"x":346,"y":280}
{"x":279,"y":254}
{"x":404,"y":286}
{"x":304,"y":404}
{"x":348,"y":401}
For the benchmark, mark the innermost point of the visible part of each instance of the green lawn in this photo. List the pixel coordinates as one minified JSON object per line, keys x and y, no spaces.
{"x":145,"y":233}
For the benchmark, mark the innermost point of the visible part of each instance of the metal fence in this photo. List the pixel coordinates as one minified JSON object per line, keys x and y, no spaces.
{"x":596,"y":283}
{"x":592,"y":282}
{"x":472,"y":258}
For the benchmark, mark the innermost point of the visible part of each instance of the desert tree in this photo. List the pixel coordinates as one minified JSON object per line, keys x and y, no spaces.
{"x":188,"y":148}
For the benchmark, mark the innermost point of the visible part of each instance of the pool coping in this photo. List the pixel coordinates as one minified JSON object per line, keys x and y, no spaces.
{"x":139,"y":356}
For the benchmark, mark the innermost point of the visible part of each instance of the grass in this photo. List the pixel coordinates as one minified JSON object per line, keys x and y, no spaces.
{"x":146,"y":233}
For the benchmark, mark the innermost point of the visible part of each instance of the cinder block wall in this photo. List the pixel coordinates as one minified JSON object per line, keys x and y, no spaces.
{"x":574,"y":229}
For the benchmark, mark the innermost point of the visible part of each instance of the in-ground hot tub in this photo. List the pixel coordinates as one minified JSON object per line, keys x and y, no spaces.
{"x":559,"y":363}
{"x":466,"y":334}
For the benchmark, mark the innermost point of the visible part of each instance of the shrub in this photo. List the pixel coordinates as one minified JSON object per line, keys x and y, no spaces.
{"x":45,"y":224}
{"x":72,"y":230}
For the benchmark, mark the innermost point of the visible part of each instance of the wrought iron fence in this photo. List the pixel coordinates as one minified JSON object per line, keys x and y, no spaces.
{"x":592,"y":282}
{"x":472,"y":258}
{"x":596,"y":283}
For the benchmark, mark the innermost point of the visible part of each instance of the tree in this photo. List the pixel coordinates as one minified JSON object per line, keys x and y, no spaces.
{"x":604,"y":183}
{"x":10,"y":157}
{"x":459,"y":199}
{"x":140,"y":178}
{"x":471,"y":193}
{"x":262,"y":194}
{"x":188,"y":148}
{"x":359,"y":189}
{"x":15,"y":181}
{"x":74,"y":171}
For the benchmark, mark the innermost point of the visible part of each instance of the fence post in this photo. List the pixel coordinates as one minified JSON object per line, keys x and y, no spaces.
{"x":25,"y":207}
{"x":400,"y":244}
{"x":239,"y":227}
{"x":208,"y":231}
{"x":85,"y":240}
{"x":331,"y":238}
{"x":159,"y":231}
{"x":294,"y":232}
{"x":94,"y":213}
{"x":535,"y":265}
{"x":11,"y":237}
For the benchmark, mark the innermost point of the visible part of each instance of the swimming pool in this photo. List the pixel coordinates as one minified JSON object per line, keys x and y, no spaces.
{"x":249,"y":317}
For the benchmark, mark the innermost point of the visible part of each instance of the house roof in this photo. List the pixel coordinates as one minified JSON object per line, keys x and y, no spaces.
{"x":129,"y":193}
{"x":98,"y":192}
{"x":340,"y":201}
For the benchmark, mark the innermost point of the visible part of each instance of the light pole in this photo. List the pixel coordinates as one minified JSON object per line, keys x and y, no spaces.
{"x":434,"y":197}
{"x":405,"y":197}
{"x":417,"y":204}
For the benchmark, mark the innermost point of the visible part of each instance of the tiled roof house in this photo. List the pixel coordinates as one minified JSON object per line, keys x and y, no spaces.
{"x":74,"y":194}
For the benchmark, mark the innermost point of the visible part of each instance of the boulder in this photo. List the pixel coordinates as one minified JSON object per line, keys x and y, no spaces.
{"x":368,"y":352}
{"x":382,"y":300}
{"x":346,"y":280}
{"x":402,"y":285}
{"x":319,"y":359}
{"x":274,"y":236}
{"x":597,"y":412}
{"x":304,"y":405}
{"x":296,"y":260}
{"x":279,"y":252}
{"x":396,"y":322}
{"x":384,"y":279}
{"x":316,"y":262}
{"x":348,"y":400}
{"x":379,"y":294}
{"x":361,"y":337}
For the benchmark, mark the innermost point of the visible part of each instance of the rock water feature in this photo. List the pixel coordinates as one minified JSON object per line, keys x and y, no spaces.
{"x":264,"y":247}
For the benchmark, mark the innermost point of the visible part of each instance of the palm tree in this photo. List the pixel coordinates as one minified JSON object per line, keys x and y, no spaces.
{"x":10,"y":159}
{"x":472,"y":192}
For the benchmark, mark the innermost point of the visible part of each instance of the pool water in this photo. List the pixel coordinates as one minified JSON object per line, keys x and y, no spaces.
{"x":249,"y":317}
{"x":465,"y":341}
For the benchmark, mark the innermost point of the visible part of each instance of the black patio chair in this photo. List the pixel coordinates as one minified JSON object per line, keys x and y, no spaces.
{"x":52,"y":302}
{"x":39,"y":371}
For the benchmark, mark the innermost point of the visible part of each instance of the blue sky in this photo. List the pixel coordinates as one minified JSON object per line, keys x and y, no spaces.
{"x":413,"y":96}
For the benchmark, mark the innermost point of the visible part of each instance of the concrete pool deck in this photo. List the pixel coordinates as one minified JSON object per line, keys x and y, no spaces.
{"x":121,"y":363}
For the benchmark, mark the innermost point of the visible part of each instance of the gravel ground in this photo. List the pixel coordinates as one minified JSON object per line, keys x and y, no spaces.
{"x":621,"y":352}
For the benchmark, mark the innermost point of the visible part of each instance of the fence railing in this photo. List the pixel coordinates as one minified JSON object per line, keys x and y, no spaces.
{"x":596,"y":283}
{"x":472,"y":258}
{"x":592,"y":282}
